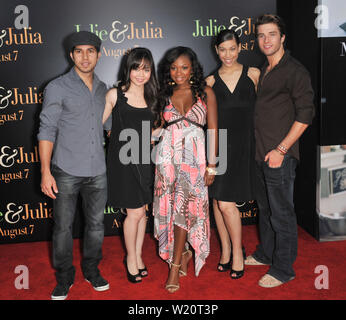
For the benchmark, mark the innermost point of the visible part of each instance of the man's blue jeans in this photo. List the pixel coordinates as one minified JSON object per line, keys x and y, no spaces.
{"x":93,"y":191}
{"x":277,"y":219}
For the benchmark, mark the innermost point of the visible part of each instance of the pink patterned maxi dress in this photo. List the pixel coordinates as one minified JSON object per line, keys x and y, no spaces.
{"x":180,"y":195}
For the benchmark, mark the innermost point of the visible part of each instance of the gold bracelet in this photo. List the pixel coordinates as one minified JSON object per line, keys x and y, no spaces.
{"x":211,"y":171}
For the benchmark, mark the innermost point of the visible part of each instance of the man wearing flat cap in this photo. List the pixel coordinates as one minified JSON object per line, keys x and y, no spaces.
{"x":73,"y":161}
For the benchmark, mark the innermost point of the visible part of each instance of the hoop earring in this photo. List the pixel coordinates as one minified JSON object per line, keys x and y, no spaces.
{"x":171,"y":83}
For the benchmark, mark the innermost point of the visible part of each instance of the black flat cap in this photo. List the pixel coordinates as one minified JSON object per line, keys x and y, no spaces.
{"x":83,"y":37}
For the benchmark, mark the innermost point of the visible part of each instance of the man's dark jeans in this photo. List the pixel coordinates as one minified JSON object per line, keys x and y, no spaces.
{"x":277,"y":218}
{"x":93,"y":191}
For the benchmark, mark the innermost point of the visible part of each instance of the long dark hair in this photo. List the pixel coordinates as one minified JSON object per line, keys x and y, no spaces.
{"x":134,"y":60}
{"x":198,"y":83}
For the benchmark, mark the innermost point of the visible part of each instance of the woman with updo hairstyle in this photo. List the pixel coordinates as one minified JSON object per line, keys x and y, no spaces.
{"x":183,"y":174}
{"x":235,"y":89}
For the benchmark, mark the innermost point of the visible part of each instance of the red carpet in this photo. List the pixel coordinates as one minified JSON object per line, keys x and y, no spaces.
{"x":210,"y":285}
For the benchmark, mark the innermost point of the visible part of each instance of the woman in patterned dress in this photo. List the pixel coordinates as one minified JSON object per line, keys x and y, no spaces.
{"x":181,"y":207}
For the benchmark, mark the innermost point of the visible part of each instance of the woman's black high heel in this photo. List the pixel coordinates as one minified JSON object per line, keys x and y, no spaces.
{"x":235,"y":274}
{"x":143,"y":272}
{"x":227,"y":266}
{"x":131,"y":277}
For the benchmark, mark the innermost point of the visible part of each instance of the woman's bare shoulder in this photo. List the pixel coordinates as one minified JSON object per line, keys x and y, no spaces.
{"x":210,"y":80}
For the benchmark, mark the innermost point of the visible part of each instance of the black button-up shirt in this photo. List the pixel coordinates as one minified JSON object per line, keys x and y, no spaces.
{"x":71,"y":118}
{"x":284,"y":96}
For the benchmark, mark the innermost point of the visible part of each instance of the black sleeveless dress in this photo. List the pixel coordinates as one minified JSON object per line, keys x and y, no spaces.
{"x":236,"y":113}
{"x":129,"y":166}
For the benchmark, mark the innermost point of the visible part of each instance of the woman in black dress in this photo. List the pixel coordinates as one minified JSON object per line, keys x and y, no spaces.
{"x":130,"y":176}
{"x":235,"y":89}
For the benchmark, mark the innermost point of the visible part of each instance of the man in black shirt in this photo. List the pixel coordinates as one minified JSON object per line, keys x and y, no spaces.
{"x":283,"y":111}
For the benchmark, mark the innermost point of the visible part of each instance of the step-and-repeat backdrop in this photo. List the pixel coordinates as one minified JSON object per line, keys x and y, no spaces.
{"x":331,"y":187}
{"x":32,"y":53}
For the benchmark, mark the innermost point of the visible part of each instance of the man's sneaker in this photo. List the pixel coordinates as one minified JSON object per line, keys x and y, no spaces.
{"x":98,"y":283}
{"x":60,"y":292}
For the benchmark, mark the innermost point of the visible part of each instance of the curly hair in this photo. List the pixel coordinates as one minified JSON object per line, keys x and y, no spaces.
{"x":198,"y":82}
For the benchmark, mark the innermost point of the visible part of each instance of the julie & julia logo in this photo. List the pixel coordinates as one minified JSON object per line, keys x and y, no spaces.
{"x":13,"y":213}
{"x":19,"y":34}
{"x":119,"y":31}
{"x":212,"y":27}
{"x":11,"y":36}
{"x":18,"y":96}
{"x":10,"y":156}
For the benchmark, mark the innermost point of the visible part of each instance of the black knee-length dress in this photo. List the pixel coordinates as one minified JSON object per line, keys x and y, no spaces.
{"x":129,"y":166}
{"x":236,"y":113}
